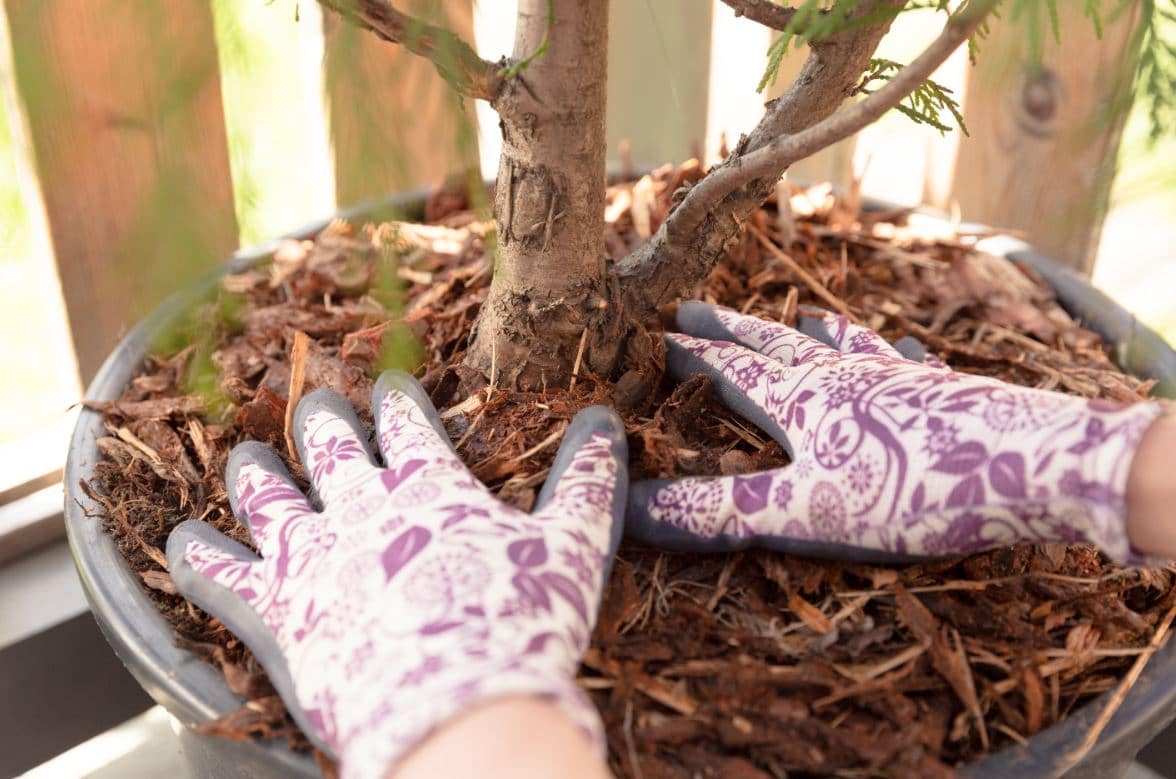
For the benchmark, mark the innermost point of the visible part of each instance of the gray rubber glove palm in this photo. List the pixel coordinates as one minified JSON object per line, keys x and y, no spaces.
{"x":414,"y":594}
{"x":893,"y":458}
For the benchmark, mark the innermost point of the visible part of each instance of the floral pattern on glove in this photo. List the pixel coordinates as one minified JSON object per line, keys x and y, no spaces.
{"x":897,"y":456}
{"x":415,"y":594}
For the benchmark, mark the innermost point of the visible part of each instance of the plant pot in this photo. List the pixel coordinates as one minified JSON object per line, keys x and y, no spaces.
{"x":194,"y":692}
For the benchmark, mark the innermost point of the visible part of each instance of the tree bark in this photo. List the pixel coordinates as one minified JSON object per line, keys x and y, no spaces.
{"x":548,"y":293}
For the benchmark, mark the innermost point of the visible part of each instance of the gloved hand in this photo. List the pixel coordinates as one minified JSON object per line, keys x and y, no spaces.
{"x":892,"y":458}
{"x":414,"y":594}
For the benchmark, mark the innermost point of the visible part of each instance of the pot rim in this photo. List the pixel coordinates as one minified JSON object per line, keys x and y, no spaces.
{"x":194,"y":692}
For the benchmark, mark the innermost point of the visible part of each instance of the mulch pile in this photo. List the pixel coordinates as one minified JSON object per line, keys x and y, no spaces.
{"x":749,"y":665}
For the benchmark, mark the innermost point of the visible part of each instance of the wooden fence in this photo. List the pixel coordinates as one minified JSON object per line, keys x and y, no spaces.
{"x":123,"y":103}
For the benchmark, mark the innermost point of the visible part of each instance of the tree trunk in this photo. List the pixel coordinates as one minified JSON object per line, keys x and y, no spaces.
{"x":548,"y":293}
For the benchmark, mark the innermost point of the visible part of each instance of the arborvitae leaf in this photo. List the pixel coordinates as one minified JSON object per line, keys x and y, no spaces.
{"x":1155,"y":74}
{"x":1092,"y":11}
{"x":1055,"y":25}
{"x":817,"y":20}
{"x":925,"y":105}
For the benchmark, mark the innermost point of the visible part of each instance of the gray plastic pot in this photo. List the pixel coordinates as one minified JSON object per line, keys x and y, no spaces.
{"x":195,"y":692}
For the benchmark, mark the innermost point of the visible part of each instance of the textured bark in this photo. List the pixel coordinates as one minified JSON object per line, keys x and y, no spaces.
{"x":691,"y":241}
{"x":549,"y":275}
{"x":766,"y":12}
{"x":554,"y":304}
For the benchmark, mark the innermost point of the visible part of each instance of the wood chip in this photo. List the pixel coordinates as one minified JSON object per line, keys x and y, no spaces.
{"x":810,"y":614}
{"x":297,"y":378}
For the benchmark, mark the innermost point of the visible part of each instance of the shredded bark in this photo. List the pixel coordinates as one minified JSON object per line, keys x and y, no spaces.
{"x":751,"y":665}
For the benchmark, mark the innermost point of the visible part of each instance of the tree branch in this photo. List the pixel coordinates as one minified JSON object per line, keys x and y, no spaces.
{"x":662,"y":269}
{"x":775,"y":157}
{"x":828,"y":77}
{"x":454,"y":59}
{"x":765,"y":12}
{"x":711,"y":214}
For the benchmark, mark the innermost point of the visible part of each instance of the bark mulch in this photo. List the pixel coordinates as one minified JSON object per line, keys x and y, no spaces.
{"x":748,"y":665}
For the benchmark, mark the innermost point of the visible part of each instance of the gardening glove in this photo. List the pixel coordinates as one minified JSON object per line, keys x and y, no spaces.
{"x":893,"y":457}
{"x":413,"y":595}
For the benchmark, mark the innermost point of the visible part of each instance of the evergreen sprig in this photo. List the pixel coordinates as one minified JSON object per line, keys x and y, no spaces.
{"x":1153,"y":84}
{"x":818,"y":20}
{"x":1155,"y":76}
{"x":926,"y":105}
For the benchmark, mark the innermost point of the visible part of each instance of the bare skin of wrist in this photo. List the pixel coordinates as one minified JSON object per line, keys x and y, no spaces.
{"x":1151,"y":491}
{"x":521,"y":737}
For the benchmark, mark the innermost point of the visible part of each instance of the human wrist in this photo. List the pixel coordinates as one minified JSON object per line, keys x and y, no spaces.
{"x":395,"y":726}
{"x":520,"y":736}
{"x":1151,"y":491}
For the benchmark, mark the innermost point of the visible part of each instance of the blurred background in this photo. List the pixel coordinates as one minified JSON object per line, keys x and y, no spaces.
{"x":142,"y":142}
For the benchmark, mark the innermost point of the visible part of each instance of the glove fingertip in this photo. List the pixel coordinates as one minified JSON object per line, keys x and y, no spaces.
{"x":179,"y":544}
{"x":699,"y":319}
{"x":587,"y":425}
{"x":911,"y":348}
{"x":251,"y":453}
{"x":597,"y":419}
{"x":816,"y":328}
{"x":404,"y":383}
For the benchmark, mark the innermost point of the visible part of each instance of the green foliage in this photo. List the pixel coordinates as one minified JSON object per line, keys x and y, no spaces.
{"x":818,"y":20}
{"x":1155,"y":76}
{"x":925,"y":105}
{"x":1153,"y":85}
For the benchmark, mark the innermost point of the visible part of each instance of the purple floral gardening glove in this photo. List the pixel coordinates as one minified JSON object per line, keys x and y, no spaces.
{"x":893,"y":457}
{"x":414,"y":594}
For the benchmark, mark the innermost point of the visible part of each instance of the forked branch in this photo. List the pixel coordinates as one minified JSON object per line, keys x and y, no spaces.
{"x":454,"y":59}
{"x":698,"y":231}
{"x":775,"y":157}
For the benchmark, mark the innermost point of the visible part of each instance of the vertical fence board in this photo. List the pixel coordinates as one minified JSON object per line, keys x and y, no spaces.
{"x":658,"y":62}
{"x":1042,"y":153}
{"x":124,"y":108}
{"x":394,"y":122}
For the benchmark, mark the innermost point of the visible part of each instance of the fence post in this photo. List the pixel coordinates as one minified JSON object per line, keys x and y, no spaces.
{"x":658,"y":63}
{"x":1044,"y":138}
{"x":127,"y":128}
{"x":394,"y":122}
